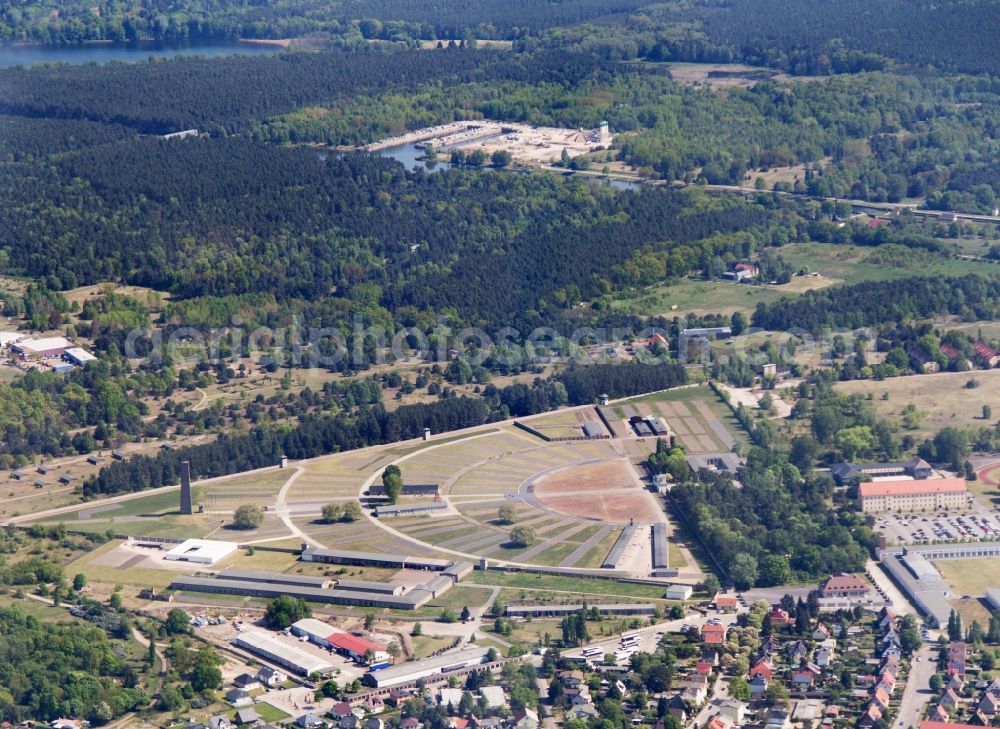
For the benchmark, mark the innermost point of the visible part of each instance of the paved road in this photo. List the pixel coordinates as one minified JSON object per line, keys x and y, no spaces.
{"x":900,"y":605}
{"x":718,"y":694}
{"x":917,"y":693}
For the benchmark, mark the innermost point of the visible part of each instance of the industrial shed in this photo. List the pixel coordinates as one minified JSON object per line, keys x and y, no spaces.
{"x":201,"y":551}
{"x":291,"y":657}
{"x":416,"y":670}
{"x":385,"y":588}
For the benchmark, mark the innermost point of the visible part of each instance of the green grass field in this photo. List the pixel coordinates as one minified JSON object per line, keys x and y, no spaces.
{"x":970,"y":576}
{"x":563,"y":584}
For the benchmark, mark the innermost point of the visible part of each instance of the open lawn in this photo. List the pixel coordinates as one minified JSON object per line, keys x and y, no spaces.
{"x":970,"y":576}
{"x":943,"y":397}
{"x":690,"y":296}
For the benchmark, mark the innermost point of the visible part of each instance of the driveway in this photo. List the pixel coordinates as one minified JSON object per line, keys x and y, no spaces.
{"x":917,"y":693}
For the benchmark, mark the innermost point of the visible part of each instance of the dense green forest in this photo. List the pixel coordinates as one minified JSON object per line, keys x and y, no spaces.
{"x":231,"y":216}
{"x":126,"y":20}
{"x":58,"y":669}
{"x":801,"y":36}
{"x":880,"y":302}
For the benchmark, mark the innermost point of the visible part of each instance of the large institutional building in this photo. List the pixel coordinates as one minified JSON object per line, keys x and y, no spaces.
{"x":923,"y":495}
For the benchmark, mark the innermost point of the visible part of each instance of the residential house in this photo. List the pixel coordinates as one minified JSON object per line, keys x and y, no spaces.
{"x":758,"y":686}
{"x":989,"y":704}
{"x":271,"y":677}
{"x":710,"y":655}
{"x":803,"y":678}
{"x":714,"y":633}
{"x":220,"y":722}
{"x":494,"y":696}
{"x":886,"y":617}
{"x":411,"y":723}
{"x":957,"y":656}
{"x":871,"y":717}
{"x":457,"y":722}
{"x":239,"y":697}
{"x":450,"y":697}
{"x":956,"y":683}
{"x":780,"y":618}
{"x":247,"y":682}
{"x":949,"y":699}
{"x":351,"y":721}
{"x":703,"y":668}
{"x":821,"y":632}
{"x":374,"y":723}
{"x":986,"y":354}
{"x":761,"y":668}
{"x":797,"y":652}
{"x":778,"y":719}
{"x":939,"y":714}
{"x":887,"y":681}
{"x":881,"y":697}
{"x":374,"y":704}
{"x":843,"y":585}
{"x":582,"y":711}
{"x":718,"y":722}
{"x":727,"y":602}
{"x":733,"y":710}
{"x":824,"y":656}
{"x":63,"y":723}
{"x":525,"y":719}
{"x":677,"y":708}
{"x":248,"y":716}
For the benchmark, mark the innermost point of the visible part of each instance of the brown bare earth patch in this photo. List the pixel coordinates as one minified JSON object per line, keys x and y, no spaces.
{"x":605,"y":491}
{"x":586,"y":477}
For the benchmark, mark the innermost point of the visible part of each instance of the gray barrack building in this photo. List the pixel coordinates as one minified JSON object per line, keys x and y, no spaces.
{"x":372,"y":559}
{"x":275,"y":578}
{"x":618,"y":548}
{"x":413,"y":599}
{"x":291,"y":657}
{"x":409,"y":489}
{"x":659,"y":537}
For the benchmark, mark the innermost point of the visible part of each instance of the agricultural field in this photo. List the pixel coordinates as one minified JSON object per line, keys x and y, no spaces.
{"x":941,"y":399}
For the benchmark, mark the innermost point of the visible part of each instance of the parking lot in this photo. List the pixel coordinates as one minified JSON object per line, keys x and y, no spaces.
{"x":976,"y":524}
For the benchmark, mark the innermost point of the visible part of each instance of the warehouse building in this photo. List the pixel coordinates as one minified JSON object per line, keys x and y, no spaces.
{"x":659,"y":537}
{"x":200,"y":551}
{"x":292,"y":657}
{"x":275,"y":578}
{"x":354,"y":647}
{"x":993,"y":598}
{"x":41,"y":348}
{"x":427,"y":668}
{"x":78,"y":356}
{"x":558,"y":611}
{"x":618,"y":548}
{"x":921,"y":582}
{"x":383,"y":511}
{"x":933,"y":494}
{"x":359,"y":650}
{"x":371,"y":559}
{"x":316,"y":631}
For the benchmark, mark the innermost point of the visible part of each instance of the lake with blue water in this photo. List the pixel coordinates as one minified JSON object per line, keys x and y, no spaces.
{"x":32,"y":54}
